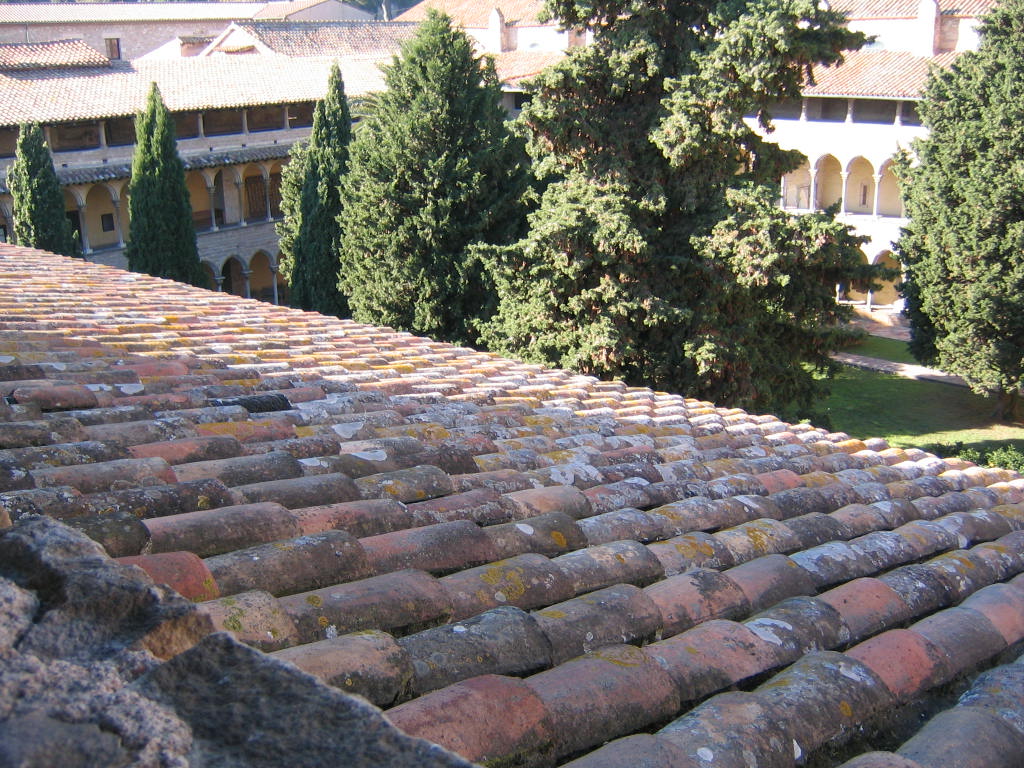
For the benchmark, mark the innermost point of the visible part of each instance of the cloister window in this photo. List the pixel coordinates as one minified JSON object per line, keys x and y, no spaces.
{"x":8,"y":141}
{"x":300,"y":115}
{"x":67,"y":137}
{"x":827,"y":110}
{"x":219,"y":122}
{"x":909,"y":114}
{"x":120,"y":131}
{"x":786,"y":110}
{"x":186,"y":125}
{"x":267,"y":118}
{"x":880,"y":111}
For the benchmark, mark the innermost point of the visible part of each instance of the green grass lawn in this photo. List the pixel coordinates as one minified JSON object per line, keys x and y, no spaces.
{"x":914,"y":413}
{"x":885,"y":349}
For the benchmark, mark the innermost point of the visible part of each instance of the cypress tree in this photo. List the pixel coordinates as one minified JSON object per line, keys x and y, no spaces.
{"x":162,"y":236}
{"x":433,"y":170}
{"x":39,"y":218}
{"x":964,"y":245}
{"x":644,"y":138}
{"x":311,"y":202}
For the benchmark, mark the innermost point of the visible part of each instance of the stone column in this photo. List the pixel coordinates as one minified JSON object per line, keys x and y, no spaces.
{"x":878,"y":191}
{"x":219,"y":280}
{"x":239,"y":188}
{"x":273,"y":282}
{"x":845,"y":176}
{"x":83,"y":229}
{"x":211,"y":191}
{"x":812,"y":203}
{"x":247,"y":292}
{"x":118,"y":229}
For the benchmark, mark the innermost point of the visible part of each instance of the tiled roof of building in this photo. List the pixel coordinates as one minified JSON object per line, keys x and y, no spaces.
{"x":282,"y":9}
{"x":474,"y":14}
{"x":193,"y":83}
{"x":908,"y":9}
{"x":329,"y":38}
{"x":55,"y":54}
{"x":70,"y":13}
{"x":524,"y":565}
{"x":515,"y":66}
{"x":877,"y":73}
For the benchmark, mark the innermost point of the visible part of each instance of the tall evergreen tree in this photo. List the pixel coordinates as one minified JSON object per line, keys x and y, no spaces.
{"x":161,"y":235}
{"x":311,"y":202}
{"x":643,"y":135}
{"x":964,"y":245}
{"x":433,"y":170}
{"x":39,"y":218}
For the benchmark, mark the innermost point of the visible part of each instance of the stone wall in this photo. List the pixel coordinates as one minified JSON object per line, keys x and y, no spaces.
{"x":100,"y":666}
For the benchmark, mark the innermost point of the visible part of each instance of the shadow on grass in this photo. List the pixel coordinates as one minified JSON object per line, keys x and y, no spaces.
{"x":908,"y":412}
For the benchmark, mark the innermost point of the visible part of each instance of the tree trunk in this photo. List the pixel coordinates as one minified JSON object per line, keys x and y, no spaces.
{"x":1006,"y":406}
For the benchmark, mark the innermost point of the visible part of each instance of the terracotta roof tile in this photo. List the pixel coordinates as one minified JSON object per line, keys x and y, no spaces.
{"x":120,"y":88}
{"x":908,"y":9}
{"x":56,"y":54}
{"x":721,"y":546}
{"x":876,"y":73}
{"x":514,"y":67}
{"x":469,"y":13}
{"x":64,"y":13}
{"x":329,"y":38}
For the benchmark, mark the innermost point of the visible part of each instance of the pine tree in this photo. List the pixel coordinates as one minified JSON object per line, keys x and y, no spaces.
{"x":39,"y":218}
{"x":311,"y":203}
{"x":433,"y":170}
{"x":642,"y":135}
{"x":162,"y":237}
{"x":964,"y":245}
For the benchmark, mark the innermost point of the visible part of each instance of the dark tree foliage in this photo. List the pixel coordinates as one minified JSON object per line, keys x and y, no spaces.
{"x":39,"y":218}
{"x":964,"y":246}
{"x":161,"y":235}
{"x":433,"y":170}
{"x":311,"y":203}
{"x":642,"y":135}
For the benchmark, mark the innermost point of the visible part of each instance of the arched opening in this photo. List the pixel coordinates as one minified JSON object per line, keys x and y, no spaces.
{"x":830,"y":182}
{"x":199,"y":199}
{"x":211,"y":278}
{"x":233,"y":273}
{"x":100,"y":223}
{"x":796,"y":188}
{"x":860,"y":187}
{"x":261,"y":279}
{"x":6,"y":225}
{"x":71,"y":211}
{"x":255,"y":193}
{"x":856,"y":291}
{"x":275,"y":190}
{"x":890,"y":202}
{"x":221,"y":214}
{"x":886,"y":294}
{"x":126,"y":210}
